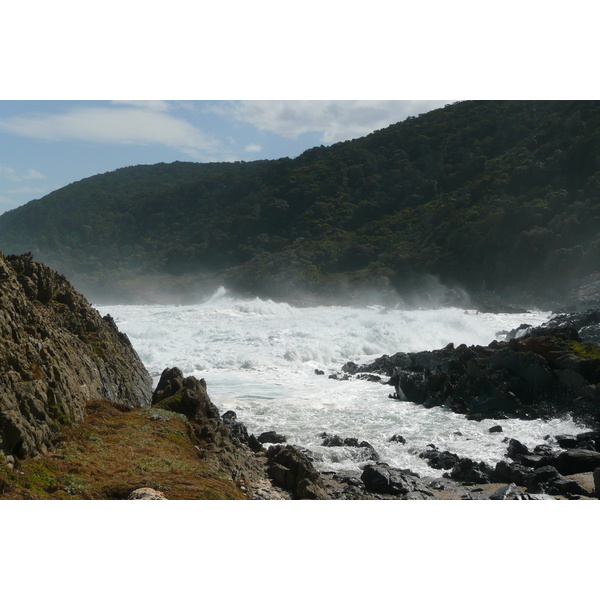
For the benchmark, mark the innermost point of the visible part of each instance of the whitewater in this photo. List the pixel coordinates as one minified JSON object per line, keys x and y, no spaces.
{"x":259,"y":358}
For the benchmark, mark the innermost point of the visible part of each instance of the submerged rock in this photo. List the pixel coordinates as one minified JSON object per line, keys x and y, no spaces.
{"x":365,"y":451}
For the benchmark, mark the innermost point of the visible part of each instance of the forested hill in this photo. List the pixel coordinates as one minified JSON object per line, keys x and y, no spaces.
{"x":495,"y":195}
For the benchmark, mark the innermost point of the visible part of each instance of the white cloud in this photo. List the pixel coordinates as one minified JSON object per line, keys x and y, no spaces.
{"x":253,"y":148}
{"x":33,"y":174}
{"x":113,"y":125}
{"x":338,"y":120}
{"x":10,"y":174}
{"x":156,"y":105}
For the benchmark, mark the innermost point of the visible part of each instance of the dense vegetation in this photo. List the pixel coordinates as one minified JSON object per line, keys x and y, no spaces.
{"x":502,"y":195}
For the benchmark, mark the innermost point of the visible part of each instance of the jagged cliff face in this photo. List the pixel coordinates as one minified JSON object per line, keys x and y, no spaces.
{"x":56,"y":354}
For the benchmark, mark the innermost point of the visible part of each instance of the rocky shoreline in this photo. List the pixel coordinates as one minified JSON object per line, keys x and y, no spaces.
{"x":62,"y":365}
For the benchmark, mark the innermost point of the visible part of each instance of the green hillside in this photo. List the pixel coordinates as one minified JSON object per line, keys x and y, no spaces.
{"x":495,"y":195}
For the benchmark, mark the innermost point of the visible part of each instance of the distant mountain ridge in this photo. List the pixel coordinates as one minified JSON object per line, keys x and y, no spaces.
{"x":494,"y":196}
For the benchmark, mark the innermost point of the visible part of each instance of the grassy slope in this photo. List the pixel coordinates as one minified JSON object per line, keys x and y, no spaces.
{"x":114,"y":451}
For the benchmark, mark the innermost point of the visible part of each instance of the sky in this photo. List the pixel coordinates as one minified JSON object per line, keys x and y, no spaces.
{"x":45,"y":145}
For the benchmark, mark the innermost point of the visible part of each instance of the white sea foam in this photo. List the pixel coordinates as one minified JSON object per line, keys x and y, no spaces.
{"x":259,"y":359}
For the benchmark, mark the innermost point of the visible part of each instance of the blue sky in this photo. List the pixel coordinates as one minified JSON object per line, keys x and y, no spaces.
{"x":45,"y":145}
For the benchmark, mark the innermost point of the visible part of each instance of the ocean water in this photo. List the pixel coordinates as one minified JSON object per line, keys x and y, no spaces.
{"x":259,"y":358}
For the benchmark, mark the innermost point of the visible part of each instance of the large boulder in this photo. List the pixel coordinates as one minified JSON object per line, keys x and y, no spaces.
{"x":291,"y":469}
{"x":577,"y":461}
{"x":381,"y":478}
{"x":56,"y":354}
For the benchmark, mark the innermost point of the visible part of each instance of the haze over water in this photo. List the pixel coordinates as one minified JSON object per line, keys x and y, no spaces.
{"x":259,"y":357}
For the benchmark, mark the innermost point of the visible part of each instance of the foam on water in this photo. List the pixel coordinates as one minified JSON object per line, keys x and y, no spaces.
{"x":258,"y":358}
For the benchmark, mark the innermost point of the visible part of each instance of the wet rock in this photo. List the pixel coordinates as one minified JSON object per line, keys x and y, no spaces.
{"x":272,"y":437}
{"x":577,"y":461}
{"x":365,"y":450}
{"x":516,"y":449}
{"x":467,"y":469}
{"x":496,"y":429}
{"x":439,"y":459}
{"x":589,"y":440}
{"x":397,"y":438}
{"x":540,"y":372}
{"x":566,"y":442}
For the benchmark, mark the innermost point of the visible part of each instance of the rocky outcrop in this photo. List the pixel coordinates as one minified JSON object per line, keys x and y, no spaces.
{"x":56,"y":354}
{"x":538,"y":372}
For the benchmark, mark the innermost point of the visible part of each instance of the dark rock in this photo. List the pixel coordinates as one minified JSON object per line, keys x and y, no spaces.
{"x":516,"y":449}
{"x":237,"y":430}
{"x":566,"y":442}
{"x":369,"y":377}
{"x":507,"y":492}
{"x":495,"y":429}
{"x":588,"y":437}
{"x":351,"y":368}
{"x":467,"y":469}
{"x":319,"y":372}
{"x":293,"y":471}
{"x":272,"y":437}
{"x":511,"y":473}
{"x":597,"y":482}
{"x":376,"y":478}
{"x":561,"y":486}
{"x":383,"y":479}
{"x":577,"y":461}
{"x":185,"y":396}
{"x":535,"y":461}
{"x":366,"y":450}
{"x":439,"y":460}
{"x":539,"y":372}
{"x":541,"y":475}
{"x":397,"y":438}
{"x":171,"y":381}
{"x":254,"y":444}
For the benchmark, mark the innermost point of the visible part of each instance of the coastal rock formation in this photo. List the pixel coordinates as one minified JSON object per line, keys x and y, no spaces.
{"x":537,"y":373}
{"x":56,"y":354}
